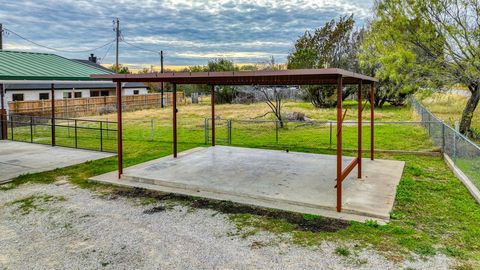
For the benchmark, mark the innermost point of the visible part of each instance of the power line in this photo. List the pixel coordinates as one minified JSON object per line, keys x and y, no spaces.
{"x":106,"y":53}
{"x":54,"y":49}
{"x":139,"y":47}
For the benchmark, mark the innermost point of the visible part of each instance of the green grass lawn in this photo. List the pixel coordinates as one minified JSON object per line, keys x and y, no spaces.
{"x":433,"y":213}
{"x":154,"y":126}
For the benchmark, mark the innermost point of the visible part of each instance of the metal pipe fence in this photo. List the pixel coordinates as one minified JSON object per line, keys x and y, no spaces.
{"x":69,"y":132}
{"x":464,"y":153}
{"x":317,"y":134}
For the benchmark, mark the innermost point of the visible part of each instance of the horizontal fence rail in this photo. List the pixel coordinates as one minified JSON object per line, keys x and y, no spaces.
{"x":464,"y":153}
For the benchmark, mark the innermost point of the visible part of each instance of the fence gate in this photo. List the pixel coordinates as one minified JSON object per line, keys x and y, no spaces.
{"x":223,"y":131}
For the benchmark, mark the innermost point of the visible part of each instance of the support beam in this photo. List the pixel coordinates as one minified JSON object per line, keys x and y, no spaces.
{"x":1,"y":36}
{"x":360,"y":109}
{"x":52,"y":120}
{"x":349,"y":169}
{"x":372,"y":121}
{"x":213,"y":114}
{"x":339,"y":143}
{"x":118,"y":92}
{"x":174,"y":103}
{"x":162,"y":85}
{"x":3,"y":113}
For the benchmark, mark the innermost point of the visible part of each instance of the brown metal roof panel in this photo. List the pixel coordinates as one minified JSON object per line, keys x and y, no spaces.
{"x":240,"y":77}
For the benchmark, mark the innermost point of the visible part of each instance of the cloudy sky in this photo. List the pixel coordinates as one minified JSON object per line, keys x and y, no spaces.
{"x":189,"y":32}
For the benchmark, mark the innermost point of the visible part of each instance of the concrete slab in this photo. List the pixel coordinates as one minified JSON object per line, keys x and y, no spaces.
{"x":293,"y":181}
{"x":17,"y":158}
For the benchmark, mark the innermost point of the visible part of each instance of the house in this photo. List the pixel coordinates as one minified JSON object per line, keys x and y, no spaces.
{"x":39,"y":91}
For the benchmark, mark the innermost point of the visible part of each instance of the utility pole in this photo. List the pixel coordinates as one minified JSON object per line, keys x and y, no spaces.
{"x":161,"y":85}
{"x":1,"y":36}
{"x":3,"y":111}
{"x":117,"y":38}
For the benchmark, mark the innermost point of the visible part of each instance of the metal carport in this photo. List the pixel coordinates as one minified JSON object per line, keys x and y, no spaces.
{"x":332,"y":76}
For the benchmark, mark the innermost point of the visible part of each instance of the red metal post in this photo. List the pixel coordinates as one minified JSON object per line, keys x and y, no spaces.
{"x":52,"y":120}
{"x":359,"y":153}
{"x":174,"y":102}
{"x":3,"y":114}
{"x":118,"y":92}
{"x":162,"y":85}
{"x":372,"y":120}
{"x":339,"y":144}
{"x":213,"y":114}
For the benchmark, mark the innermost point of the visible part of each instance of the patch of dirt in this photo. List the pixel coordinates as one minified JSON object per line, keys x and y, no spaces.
{"x":257,"y":245}
{"x":321,"y":224}
{"x":141,"y":192}
{"x":154,"y":210}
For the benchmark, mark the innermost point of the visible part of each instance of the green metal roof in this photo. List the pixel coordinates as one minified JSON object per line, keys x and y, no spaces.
{"x":15,"y":65}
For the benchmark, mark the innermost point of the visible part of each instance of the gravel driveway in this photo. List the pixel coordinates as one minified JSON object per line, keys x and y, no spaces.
{"x":60,"y":226}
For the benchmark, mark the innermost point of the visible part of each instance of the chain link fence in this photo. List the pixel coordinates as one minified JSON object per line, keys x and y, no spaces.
{"x":464,"y":153}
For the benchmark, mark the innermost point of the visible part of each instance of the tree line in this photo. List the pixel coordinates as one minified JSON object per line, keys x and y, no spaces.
{"x":407,"y":45}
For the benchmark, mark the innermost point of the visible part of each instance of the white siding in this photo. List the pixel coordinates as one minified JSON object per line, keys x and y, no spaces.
{"x":129,"y":91}
{"x":27,"y":95}
{"x":35,"y":94}
{"x":59,"y":93}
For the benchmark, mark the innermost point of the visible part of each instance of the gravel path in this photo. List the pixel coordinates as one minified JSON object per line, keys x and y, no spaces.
{"x":80,"y":229}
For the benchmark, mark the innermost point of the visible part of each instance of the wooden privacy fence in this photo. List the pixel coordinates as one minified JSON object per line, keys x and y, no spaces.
{"x":77,"y":107}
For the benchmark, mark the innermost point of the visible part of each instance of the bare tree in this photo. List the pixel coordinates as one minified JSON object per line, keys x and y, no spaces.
{"x":273,"y":98}
{"x":273,"y":95}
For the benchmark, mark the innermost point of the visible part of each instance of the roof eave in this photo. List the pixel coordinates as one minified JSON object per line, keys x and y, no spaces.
{"x":292,"y":77}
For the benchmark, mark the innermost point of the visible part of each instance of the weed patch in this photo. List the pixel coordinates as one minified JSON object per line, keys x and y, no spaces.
{"x":341,"y":251}
{"x":35,"y":203}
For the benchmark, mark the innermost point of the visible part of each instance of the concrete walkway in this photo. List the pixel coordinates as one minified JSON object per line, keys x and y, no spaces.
{"x":17,"y":158}
{"x":299,"y":182}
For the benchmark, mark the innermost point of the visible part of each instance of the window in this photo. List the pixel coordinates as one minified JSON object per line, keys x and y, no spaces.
{"x":78,"y":94}
{"x":17,"y":97}
{"x":98,"y":93}
{"x":43,"y":96}
{"x":136,"y":92}
{"x":67,"y":94}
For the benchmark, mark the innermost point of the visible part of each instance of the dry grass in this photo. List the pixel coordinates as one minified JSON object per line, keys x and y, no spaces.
{"x":258,"y":111}
{"x":449,"y":107}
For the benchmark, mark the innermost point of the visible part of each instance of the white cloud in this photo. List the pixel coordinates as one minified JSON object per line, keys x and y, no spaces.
{"x":19,"y":47}
{"x":188,"y":31}
{"x":165,"y":40}
{"x":231,"y":54}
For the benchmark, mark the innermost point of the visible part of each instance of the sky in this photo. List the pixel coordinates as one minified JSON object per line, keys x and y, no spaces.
{"x":189,"y":32}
